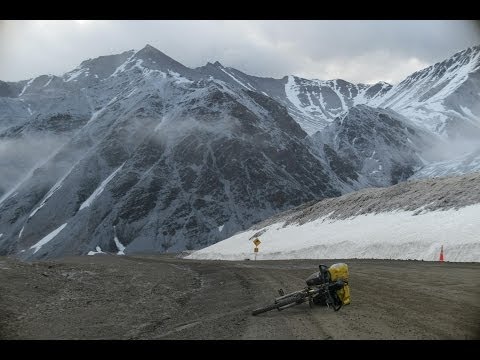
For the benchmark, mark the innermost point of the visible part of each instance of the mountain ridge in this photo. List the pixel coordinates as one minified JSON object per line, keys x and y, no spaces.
{"x":161,"y":157}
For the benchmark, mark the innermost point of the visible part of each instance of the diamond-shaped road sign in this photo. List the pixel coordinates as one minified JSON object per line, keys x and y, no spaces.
{"x":257,"y":242}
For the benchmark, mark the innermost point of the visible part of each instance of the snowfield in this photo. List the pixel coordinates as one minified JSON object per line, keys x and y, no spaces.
{"x":389,"y":235}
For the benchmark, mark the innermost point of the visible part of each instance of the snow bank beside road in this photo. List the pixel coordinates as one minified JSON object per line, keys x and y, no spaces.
{"x":388,"y":235}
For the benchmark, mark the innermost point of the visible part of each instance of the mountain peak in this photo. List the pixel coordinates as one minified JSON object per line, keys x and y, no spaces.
{"x":215,"y":64}
{"x":150,"y":47}
{"x":149,"y":50}
{"x":153,"y":58}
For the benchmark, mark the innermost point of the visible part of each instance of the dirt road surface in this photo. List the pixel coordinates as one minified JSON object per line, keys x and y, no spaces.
{"x":163,"y":297}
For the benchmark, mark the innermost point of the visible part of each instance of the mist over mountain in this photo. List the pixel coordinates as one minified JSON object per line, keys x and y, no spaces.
{"x":137,"y":152}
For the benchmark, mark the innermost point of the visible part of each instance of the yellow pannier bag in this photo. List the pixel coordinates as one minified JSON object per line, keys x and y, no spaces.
{"x":339,"y":271}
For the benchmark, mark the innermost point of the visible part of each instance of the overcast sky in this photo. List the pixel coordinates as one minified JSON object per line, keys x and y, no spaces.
{"x":357,"y":51}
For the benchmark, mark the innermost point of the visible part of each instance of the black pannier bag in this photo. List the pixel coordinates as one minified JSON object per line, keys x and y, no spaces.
{"x":319,"y":277}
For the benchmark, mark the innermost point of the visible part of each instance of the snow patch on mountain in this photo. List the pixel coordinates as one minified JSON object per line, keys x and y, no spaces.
{"x":131,"y":92}
{"x":47,"y":238}
{"x":236,"y":80}
{"x":75,"y":73}
{"x":120,"y":247}
{"x":122,"y":67}
{"x":100,"y":189}
{"x":97,"y":113}
{"x":292,"y":91}
{"x":98,"y":251}
{"x":179,"y":79}
{"x":50,"y":78}
{"x":52,"y":191}
{"x":26,"y":87}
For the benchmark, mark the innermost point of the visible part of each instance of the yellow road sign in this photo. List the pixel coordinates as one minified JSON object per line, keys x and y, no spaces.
{"x":255,"y":249}
{"x":257,"y":242}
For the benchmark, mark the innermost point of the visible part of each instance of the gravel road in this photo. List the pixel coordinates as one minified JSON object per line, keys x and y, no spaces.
{"x":164,"y":297}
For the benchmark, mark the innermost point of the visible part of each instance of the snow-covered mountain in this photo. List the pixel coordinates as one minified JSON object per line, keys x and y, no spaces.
{"x":136,"y":152}
{"x":312,"y":103}
{"x":444,"y":98}
{"x":464,"y":164}
{"x":167,"y":161}
{"x":382,"y":146}
{"x":316,"y":103}
{"x":411,"y":220}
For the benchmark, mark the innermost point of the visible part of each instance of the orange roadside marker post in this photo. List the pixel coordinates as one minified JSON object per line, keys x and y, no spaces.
{"x":441,"y":254}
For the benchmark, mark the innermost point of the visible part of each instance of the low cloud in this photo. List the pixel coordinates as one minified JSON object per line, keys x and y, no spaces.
{"x":19,"y":156}
{"x":357,"y":51}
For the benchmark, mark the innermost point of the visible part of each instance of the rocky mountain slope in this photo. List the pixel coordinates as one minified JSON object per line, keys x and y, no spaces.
{"x":136,"y":152}
{"x":167,"y":163}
